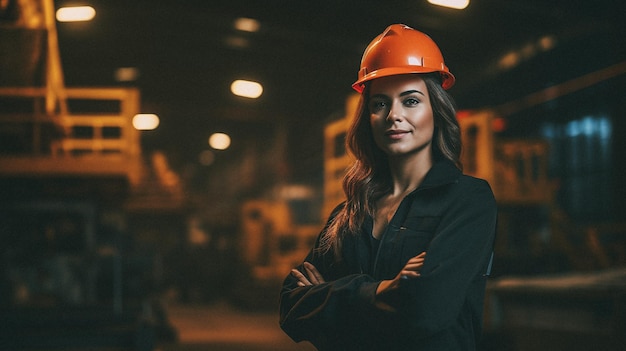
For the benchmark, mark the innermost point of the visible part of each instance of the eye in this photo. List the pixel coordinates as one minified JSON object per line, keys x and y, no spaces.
{"x":376,"y":106}
{"x":411,"y":102}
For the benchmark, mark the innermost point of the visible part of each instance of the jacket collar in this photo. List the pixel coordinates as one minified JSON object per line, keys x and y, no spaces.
{"x":441,"y":173}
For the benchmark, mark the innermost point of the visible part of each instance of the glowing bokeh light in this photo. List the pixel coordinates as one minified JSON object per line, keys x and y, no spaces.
{"x":219,"y":141}
{"x":126,"y":74}
{"x":247,"y":24}
{"x":75,"y":14}
{"x":454,"y":4}
{"x":246,"y":88}
{"x":145,"y":121}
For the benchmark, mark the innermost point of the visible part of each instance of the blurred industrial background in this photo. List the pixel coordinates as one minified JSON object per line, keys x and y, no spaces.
{"x":115,"y":235}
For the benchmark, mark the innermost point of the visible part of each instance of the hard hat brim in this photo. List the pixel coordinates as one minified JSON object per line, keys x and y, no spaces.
{"x":447,"y":79}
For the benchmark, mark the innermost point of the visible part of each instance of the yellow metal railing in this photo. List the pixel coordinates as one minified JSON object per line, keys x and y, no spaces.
{"x":97,"y":153}
{"x":124,"y":142}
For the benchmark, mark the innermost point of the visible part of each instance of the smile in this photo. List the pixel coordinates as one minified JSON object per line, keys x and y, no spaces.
{"x":396,"y":134}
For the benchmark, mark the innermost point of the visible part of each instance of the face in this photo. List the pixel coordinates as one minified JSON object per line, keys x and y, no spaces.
{"x":401,"y":116}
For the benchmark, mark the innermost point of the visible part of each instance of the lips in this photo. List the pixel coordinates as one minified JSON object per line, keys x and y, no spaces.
{"x":396,"y":133}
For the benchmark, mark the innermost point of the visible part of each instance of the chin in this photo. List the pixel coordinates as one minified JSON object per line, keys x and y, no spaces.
{"x":399,"y":151}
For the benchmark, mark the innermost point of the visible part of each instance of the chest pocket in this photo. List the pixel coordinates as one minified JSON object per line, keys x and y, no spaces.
{"x":414,"y":236}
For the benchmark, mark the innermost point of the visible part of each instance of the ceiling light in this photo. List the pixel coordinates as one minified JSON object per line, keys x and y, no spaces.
{"x":219,"y":141}
{"x":75,"y":14}
{"x":454,"y":4}
{"x":247,"y":24}
{"x":126,"y":74}
{"x":246,"y":88}
{"x":145,"y":121}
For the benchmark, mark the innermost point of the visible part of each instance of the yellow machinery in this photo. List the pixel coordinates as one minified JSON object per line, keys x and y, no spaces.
{"x":42,"y":135}
{"x":516,"y":169}
{"x":70,"y":159}
{"x":273,"y":240}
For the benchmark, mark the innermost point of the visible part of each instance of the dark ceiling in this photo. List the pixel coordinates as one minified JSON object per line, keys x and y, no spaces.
{"x":307,"y":54}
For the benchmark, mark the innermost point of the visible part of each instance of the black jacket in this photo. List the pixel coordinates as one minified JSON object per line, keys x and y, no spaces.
{"x":450,"y":216}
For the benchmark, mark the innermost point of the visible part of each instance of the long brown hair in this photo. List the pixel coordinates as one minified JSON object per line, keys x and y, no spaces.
{"x":369,"y":176}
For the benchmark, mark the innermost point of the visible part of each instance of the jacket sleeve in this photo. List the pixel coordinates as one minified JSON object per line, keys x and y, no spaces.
{"x":456,"y":263}
{"x":323,"y":314}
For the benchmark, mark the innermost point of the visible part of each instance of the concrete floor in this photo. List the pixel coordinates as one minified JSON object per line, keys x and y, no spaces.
{"x":222,"y":327}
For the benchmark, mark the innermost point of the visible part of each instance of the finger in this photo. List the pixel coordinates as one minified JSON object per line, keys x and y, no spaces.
{"x":415,"y":261}
{"x":301,"y":277}
{"x":421,"y":256}
{"x":314,"y":276}
{"x":314,"y":273}
{"x":413,"y":266}
{"x":310,"y":275}
{"x":409,"y":274}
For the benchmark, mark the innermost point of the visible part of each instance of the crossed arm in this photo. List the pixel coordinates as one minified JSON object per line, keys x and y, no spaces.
{"x":411,"y":270}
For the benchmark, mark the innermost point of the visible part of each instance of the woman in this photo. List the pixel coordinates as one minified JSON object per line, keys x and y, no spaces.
{"x":402,"y":263}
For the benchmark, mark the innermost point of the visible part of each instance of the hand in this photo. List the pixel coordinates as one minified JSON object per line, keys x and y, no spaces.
{"x":411,"y":270}
{"x":312,"y":277}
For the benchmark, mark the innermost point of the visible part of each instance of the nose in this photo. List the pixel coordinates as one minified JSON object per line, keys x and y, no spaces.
{"x":394,"y":114}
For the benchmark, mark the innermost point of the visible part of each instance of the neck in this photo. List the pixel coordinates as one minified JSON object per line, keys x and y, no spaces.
{"x":407,"y":172}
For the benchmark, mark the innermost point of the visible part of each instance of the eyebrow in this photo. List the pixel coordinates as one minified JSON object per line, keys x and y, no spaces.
{"x":409,"y":92}
{"x":404,"y":93}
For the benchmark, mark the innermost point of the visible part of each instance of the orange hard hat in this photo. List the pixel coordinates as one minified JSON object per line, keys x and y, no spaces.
{"x":401,"y":49}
